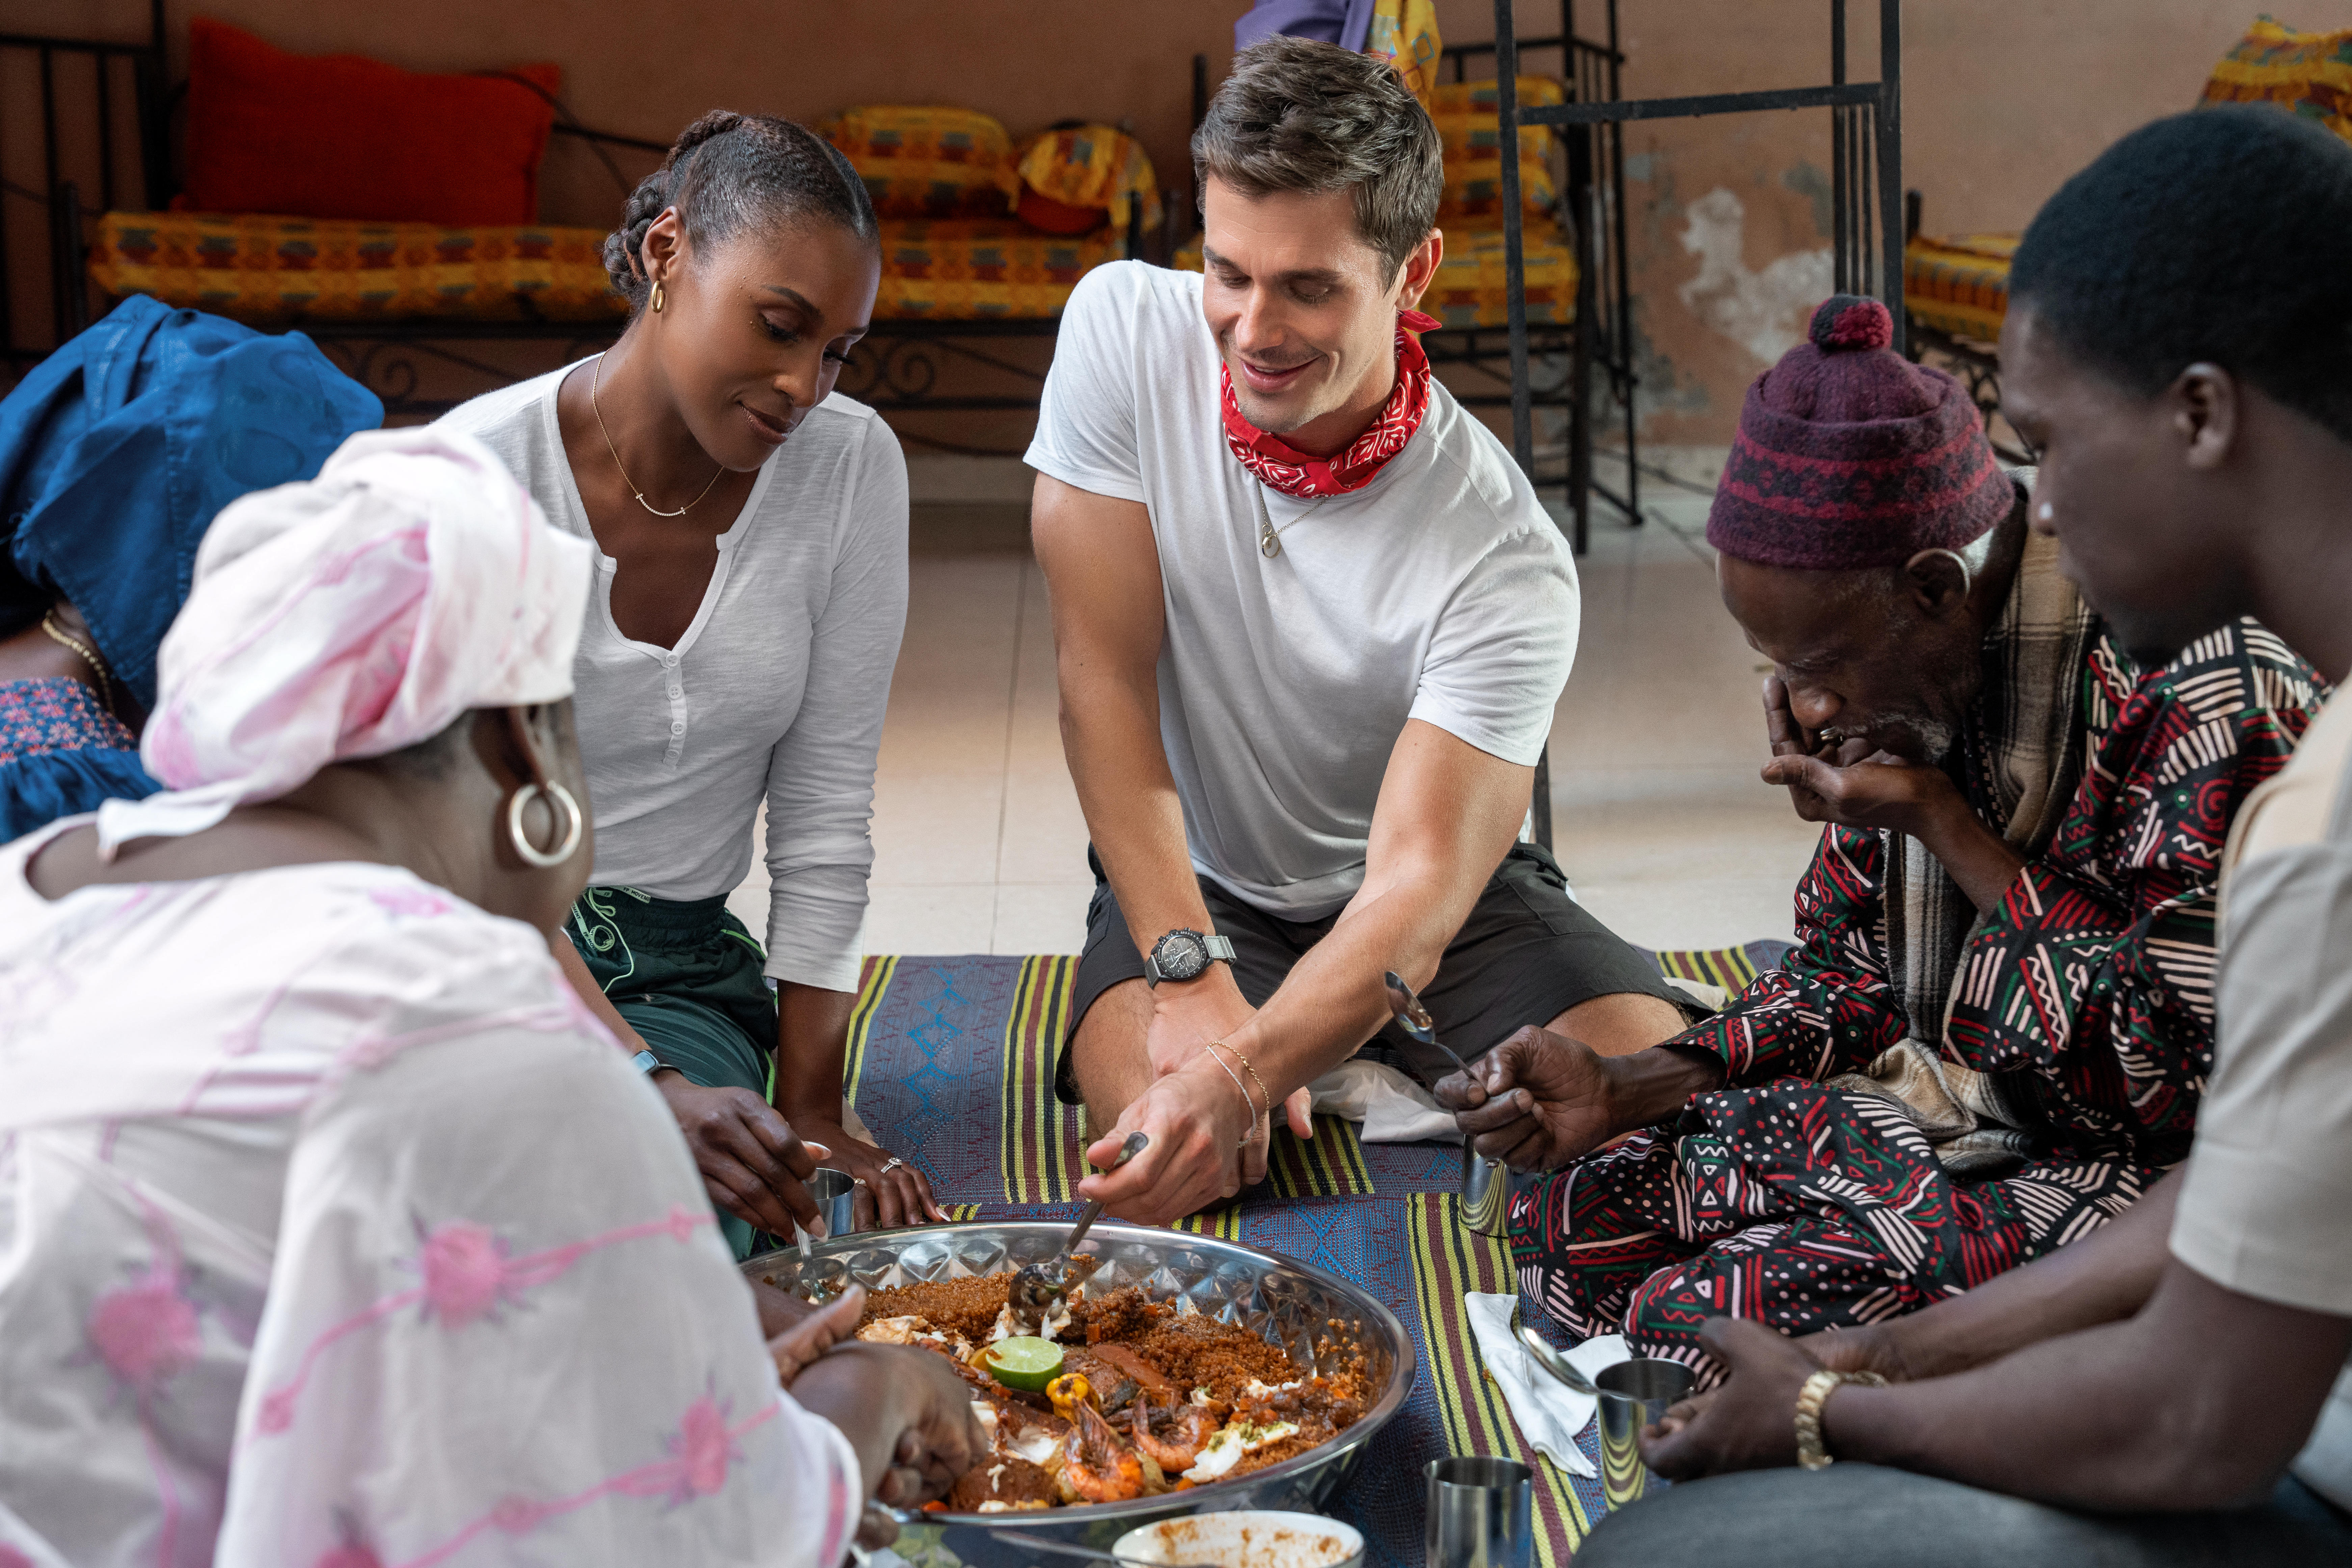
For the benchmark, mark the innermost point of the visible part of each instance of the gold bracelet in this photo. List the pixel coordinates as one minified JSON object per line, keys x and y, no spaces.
{"x":1263,"y":1093}
{"x":1811,"y":1452}
{"x":87,"y":655}
{"x":1250,"y":1131}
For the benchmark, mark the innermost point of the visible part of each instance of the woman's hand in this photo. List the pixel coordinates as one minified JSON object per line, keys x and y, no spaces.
{"x":751,"y":1161}
{"x":796,"y":1349}
{"x":900,"y":1195}
{"x":1749,"y":1422}
{"x":906,"y":1413}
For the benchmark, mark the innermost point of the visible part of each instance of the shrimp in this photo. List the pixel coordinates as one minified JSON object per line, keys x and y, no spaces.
{"x":1096,"y":1465}
{"x":1184,"y":1428}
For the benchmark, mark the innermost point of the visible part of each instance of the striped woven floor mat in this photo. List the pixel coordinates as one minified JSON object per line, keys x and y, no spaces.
{"x":951,"y":1064}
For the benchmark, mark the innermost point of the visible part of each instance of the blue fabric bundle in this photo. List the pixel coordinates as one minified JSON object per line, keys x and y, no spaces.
{"x":115,"y":453}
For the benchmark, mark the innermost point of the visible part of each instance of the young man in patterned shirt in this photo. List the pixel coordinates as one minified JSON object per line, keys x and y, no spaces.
{"x":1993,"y":1031}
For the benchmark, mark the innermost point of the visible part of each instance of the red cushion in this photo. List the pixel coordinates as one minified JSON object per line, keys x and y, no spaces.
{"x":339,"y":136}
{"x":1040,"y":212}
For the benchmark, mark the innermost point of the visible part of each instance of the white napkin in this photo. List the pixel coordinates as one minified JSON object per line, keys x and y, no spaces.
{"x":1393,"y":1107}
{"x":1549,"y":1412}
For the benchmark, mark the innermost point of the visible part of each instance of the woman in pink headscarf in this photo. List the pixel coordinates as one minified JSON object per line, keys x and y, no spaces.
{"x":335,"y":1232}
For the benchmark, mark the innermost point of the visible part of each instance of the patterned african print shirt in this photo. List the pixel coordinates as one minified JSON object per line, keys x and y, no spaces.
{"x":2089,"y":989}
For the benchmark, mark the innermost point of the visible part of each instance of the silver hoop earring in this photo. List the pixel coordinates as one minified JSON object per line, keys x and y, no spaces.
{"x":565,"y":805}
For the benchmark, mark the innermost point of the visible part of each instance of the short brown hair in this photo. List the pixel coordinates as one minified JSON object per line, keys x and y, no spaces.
{"x":1298,"y":115}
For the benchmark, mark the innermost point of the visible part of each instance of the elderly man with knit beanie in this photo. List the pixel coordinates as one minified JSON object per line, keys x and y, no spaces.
{"x":1993,"y":1031}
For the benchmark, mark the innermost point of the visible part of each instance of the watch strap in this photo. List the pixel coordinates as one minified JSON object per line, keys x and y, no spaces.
{"x":645,"y":1062}
{"x":1221,"y":948}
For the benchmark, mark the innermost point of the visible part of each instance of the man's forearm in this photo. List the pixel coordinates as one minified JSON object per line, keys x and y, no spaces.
{"x":2109,"y":1274}
{"x":1333,"y":1001}
{"x":2198,"y":1401}
{"x":812,"y":1050}
{"x":1976,"y":857}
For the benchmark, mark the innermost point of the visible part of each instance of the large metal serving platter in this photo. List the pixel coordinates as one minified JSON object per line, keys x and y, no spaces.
{"x":1285,"y":1302}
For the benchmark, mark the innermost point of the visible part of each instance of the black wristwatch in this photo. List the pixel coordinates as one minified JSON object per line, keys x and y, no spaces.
{"x":1183,"y":955}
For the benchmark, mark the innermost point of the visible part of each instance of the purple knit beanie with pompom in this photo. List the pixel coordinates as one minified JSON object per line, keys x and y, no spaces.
{"x":1851,"y":456}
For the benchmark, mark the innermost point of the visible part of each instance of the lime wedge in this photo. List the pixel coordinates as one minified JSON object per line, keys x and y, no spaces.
{"x":1025,"y":1362}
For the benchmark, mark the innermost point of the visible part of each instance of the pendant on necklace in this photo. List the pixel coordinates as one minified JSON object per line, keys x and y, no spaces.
{"x":1268,"y":544}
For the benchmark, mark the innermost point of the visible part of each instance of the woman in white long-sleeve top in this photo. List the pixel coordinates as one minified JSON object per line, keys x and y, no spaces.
{"x":751,"y":587}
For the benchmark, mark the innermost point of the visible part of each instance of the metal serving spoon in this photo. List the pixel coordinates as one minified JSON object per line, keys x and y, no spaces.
{"x":1550,"y":1359}
{"x":1041,"y":1284}
{"x":1415,"y":1020}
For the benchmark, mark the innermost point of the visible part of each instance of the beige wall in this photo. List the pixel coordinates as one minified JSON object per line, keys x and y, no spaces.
{"x":1728,"y":218}
{"x":2002,"y":100}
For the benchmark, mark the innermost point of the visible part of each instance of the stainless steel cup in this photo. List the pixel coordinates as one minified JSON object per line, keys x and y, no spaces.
{"x":1632,"y":1395}
{"x":835,"y":1193}
{"x":1481,"y":1514}
{"x":1485,"y":1193}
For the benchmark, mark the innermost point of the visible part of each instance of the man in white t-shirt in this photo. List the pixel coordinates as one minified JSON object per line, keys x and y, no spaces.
{"x":2172,"y":1389}
{"x":1310,"y":622}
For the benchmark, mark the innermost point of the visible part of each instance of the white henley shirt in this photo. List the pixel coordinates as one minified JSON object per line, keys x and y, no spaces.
{"x":775,"y":692}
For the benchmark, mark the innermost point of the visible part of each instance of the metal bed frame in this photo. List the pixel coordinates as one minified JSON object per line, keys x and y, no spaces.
{"x":1865,"y":177}
{"x":1978,"y":365}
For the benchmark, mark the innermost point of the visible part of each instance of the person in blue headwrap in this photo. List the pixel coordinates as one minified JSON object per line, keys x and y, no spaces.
{"x":115,"y":453}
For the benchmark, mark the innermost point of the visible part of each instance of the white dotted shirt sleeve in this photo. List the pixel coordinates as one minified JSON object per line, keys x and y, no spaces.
{"x":501,"y":1327}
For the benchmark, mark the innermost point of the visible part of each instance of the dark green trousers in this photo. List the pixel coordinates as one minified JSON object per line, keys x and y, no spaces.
{"x":689,"y":979}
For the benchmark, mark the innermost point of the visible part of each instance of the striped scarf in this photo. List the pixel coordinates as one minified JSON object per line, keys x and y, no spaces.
{"x":2031,"y":766}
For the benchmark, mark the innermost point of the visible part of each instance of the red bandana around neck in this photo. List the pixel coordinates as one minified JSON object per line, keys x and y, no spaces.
{"x":1280,"y":467}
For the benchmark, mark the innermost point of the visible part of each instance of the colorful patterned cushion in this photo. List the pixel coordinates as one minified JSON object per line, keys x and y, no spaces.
{"x":1089,"y":168}
{"x":1404,"y":33}
{"x":264,"y":270}
{"x":1465,"y":116}
{"x":928,"y":161}
{"x":2308,"y":74}
{"x":968,"y":269}
{"x":1960,"y":285}
{"x":1468,"y":288}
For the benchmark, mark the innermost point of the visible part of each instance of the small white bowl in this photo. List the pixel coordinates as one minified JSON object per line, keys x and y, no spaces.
{"x":1248,"y":1538}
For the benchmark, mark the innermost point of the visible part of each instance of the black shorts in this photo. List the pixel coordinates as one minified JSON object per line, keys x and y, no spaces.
{"x":1527,"y":954}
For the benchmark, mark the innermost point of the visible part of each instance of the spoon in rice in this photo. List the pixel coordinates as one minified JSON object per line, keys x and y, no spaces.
{"x":1040,"y":1285}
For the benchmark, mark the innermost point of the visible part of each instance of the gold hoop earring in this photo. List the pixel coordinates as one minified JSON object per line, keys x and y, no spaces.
{"x":566,"y":807}
{"x":656,"y":300}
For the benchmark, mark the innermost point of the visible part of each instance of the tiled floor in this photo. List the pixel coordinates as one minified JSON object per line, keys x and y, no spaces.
{"x":1658,"y":815}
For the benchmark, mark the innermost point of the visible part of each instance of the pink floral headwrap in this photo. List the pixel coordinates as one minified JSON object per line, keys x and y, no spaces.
{"x":351,"y":616}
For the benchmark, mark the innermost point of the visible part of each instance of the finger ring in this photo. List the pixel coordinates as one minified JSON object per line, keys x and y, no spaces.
{"x":892,"y":1164}
{"x":857,"y":1181}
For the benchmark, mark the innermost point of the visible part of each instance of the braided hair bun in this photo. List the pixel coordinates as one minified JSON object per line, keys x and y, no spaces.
{"x":728,"y":172}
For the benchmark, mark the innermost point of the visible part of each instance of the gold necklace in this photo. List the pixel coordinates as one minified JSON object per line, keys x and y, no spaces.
{"x":595,"y":377}
{"x":89,"y":656}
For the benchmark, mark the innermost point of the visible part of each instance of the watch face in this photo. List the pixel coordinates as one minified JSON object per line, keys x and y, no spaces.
{"x":1181,"y":955}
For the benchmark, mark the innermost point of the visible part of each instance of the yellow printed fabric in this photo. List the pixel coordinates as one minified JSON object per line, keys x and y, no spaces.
{"x":1092,"y":166}
{"x":980,"y":269}
{"x":1405,"y":34}
{"x":263,"y":268}
{"x":1468,"y":124}
{"x":1468,"y":288}
{"x":1960,"y":285}
{"x":2309,"y":73}
{"x":927,"y":161}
